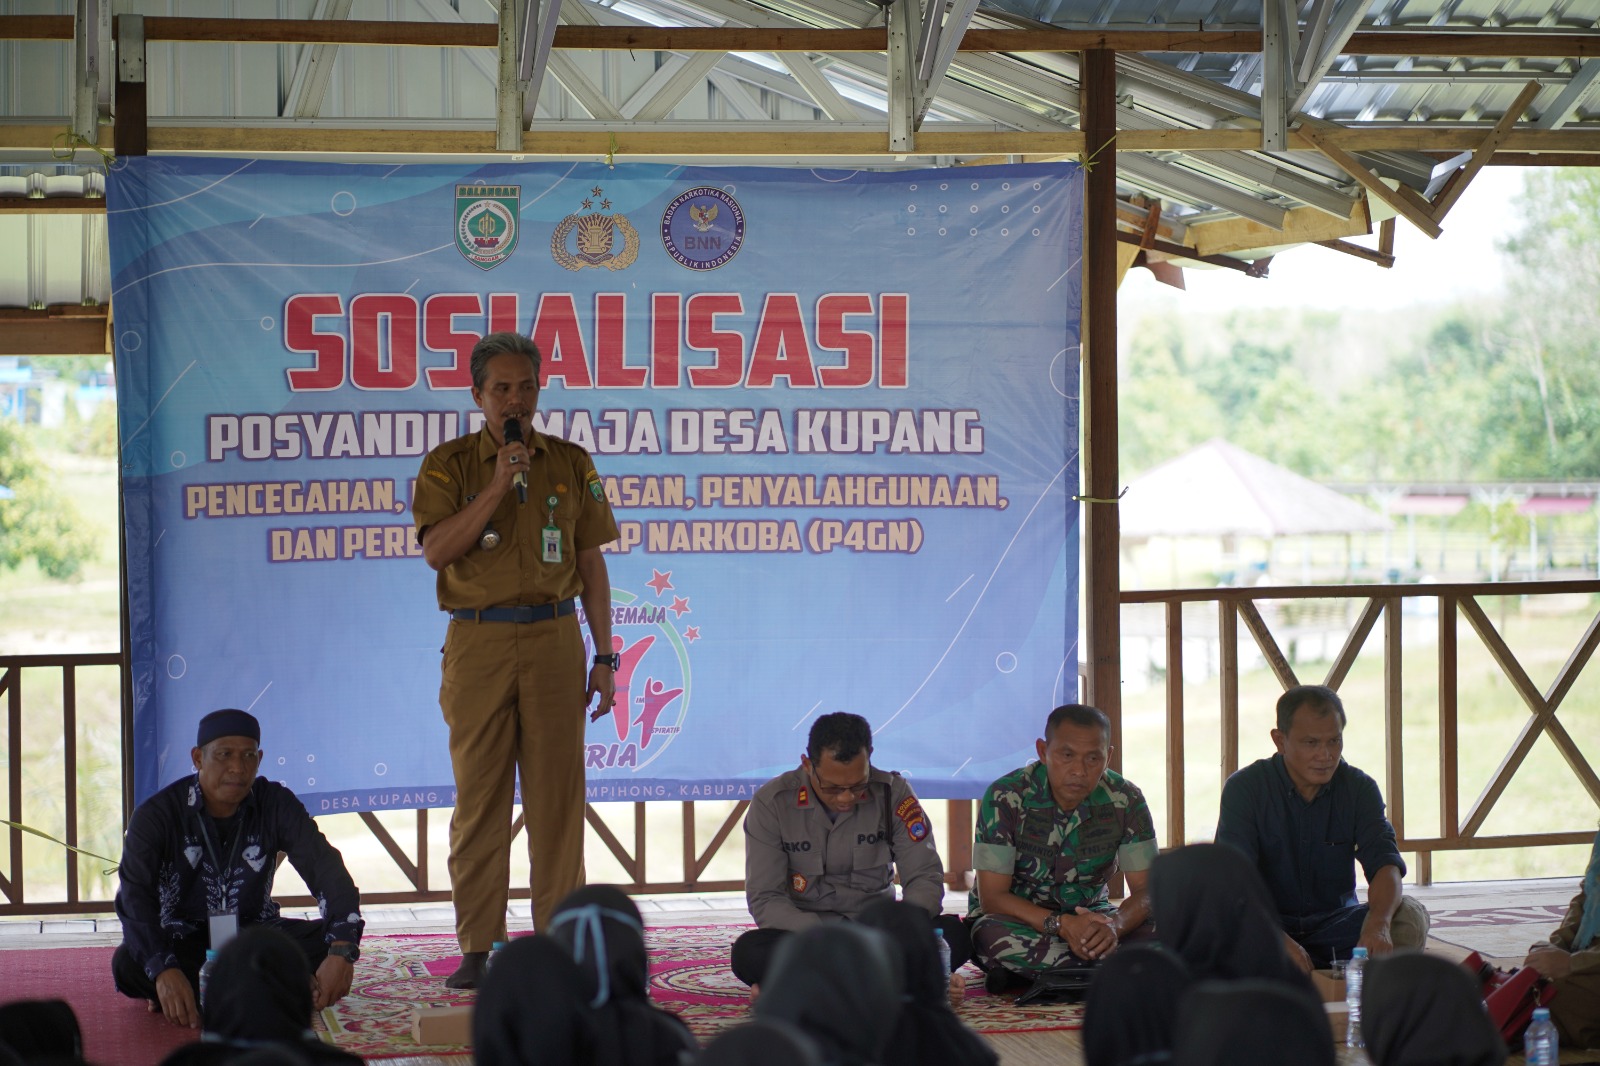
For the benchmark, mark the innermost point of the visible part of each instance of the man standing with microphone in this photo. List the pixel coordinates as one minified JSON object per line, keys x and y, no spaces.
{"x":514,"y":688}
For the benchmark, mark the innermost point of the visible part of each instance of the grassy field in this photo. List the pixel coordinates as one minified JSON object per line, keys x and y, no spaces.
{"x":41,"y":616}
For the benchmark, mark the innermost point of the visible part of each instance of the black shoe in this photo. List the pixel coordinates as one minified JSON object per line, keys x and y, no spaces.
{"x":470,"y":973}
{"x":999,"y":981}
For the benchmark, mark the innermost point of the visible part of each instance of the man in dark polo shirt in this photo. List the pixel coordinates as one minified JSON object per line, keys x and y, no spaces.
{"x":1305,"y":817}
{"x":514,"y":688}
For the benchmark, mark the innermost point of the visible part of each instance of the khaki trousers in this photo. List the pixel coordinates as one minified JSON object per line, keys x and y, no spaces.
{"x":513,"y":697}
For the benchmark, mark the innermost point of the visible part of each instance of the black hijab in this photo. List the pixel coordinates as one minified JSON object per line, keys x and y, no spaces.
{"x":533,"y":1008}
{"x":1418,"y":1010}
{"x":1212,"y":908}
{"x":43,"y":1029}
{"x":1260,"y":1022}
{"x":762,"y":1042}
{"x":601,"y":928}
{"x":1132,"y":1009}
{"x":840,"y":983}
{"x":259,"y":993}
{"x":928,"y":1031}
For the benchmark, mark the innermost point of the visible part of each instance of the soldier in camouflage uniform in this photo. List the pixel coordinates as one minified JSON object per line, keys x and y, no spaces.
{"x":1049,"y":836}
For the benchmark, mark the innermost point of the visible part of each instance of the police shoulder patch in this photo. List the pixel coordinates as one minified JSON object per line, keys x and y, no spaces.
{"x":911,"y":816}
{"x":440,"y":474}
{"x":803,"y":797}
{"x":798,"y":882}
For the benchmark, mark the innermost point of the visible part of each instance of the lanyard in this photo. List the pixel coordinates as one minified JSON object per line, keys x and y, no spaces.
{"x":205,"y":836}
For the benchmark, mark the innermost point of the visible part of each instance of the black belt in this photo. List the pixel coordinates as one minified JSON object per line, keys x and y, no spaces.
{"x":536,"y":613}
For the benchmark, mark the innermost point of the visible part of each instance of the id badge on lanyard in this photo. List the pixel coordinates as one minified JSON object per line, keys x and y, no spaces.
{"x":551,"y":537}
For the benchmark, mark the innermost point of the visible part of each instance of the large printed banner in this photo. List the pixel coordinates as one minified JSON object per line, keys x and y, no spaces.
{"x":836,"y":414}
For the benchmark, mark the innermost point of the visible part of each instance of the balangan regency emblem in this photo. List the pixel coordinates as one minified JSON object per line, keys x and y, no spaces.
{"x":590,"y":240}
{"x":486,"y":223}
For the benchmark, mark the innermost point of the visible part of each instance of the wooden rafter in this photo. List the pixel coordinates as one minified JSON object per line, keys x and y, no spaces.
{"x":1480,"y":157}
{"x":1406,"y":207}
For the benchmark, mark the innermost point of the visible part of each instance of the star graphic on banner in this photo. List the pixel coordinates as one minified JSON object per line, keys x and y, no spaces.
{"x":660,"y":582}
{"x":691,"y":634}
{"x":680,"y":606}
{"x":596,"y":190}
{"x":605,"y":205}
{"x":588,"y":204}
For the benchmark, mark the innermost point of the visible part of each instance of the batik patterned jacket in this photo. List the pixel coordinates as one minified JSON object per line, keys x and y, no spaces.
{"x":171,"y":879}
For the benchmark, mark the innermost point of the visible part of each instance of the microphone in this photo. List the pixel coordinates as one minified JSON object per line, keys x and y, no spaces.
{"x":513,"y":434}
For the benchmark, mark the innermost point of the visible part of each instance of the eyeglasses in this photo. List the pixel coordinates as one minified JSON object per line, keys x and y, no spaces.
{"x":838,"y":791}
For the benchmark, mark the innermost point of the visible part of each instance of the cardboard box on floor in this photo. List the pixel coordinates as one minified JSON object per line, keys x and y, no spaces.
{"x":1329,"y":985}
{"x":442,"y":1025}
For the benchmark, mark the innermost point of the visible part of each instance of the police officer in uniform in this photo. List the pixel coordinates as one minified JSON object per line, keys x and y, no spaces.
{"x":513,"y":521}
{"x":825,"y":840}
{"x":1048,"y":838}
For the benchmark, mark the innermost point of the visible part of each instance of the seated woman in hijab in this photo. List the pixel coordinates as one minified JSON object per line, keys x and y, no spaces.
{"x":1419,"y":1010}
{"x":1132,"y":1008}
{"x":1571,"y":960}
{"x":928,"y":1033}
{"x":40,"y":1030}
{"x":533,"y":1007}
{"x":839,"y":983}
{"x":1260,"y":1022}
{"x":1211,"y":908}
{"x":763,"y":1042}
{"x":259,"y":994}
{"x":601,"y":929}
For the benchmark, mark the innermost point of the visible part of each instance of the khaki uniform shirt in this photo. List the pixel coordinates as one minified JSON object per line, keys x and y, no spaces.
{"x":800,"y":867}
{"x":514,"y":572}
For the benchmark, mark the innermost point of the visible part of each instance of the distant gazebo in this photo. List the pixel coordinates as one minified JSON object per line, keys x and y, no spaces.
{"x":1219,"y":490}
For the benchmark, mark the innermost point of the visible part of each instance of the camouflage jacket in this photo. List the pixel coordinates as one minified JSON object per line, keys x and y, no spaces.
{"x":1061,"y":859}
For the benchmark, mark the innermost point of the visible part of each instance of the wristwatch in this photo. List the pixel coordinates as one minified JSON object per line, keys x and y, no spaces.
{"x":1052,"y":925}
{"x":613,"y":660}
{"x":346,"y":951}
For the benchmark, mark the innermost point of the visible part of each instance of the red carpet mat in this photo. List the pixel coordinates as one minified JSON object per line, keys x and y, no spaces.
{"x":117,"y":1031}
{"x":397,"y":974}
{"x":689,"y":976}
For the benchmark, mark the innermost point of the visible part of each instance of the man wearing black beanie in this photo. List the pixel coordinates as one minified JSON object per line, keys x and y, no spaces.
{"x":198,"y":862}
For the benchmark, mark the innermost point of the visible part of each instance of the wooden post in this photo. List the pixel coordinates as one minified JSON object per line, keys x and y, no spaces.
{"x":1102,"y":574}
{"x":1175,"y":776}
{"x":131,"y":134}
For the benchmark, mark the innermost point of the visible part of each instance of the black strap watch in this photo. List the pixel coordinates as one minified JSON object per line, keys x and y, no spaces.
{"x":613,"y":660}
{"x":346,"y":951}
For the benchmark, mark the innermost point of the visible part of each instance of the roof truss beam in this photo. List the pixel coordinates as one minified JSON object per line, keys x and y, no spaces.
{"x":1562,"y":108}
{"x":1336,"y":39}
{"x":313,"y":70}
{"x":538,"y":27}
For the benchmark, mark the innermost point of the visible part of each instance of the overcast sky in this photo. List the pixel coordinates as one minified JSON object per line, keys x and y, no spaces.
{"x":1463,"y":261}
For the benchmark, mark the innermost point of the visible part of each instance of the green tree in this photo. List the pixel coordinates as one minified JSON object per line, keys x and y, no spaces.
{"x":1161,"y":409}
{"x":36,"y":522}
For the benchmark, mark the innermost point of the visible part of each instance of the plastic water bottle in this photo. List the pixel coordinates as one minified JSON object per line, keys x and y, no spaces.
{"x":1542,"y":1045}
{"x":1353,"y":976}
{"x":205,"y":974}
{"x":943,"y":947}
{"x":494,"y":953}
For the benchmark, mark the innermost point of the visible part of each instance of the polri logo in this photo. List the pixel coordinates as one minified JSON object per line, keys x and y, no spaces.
{"x":486,"y":223}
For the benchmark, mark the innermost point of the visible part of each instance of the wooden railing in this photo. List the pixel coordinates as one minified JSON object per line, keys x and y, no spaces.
{"x":1458,"y":830}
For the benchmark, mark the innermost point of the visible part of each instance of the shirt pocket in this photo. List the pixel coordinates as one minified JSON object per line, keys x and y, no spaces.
{"x":805,"y":873}
{"x":1333,"y":866}
{"x":870,"y":866}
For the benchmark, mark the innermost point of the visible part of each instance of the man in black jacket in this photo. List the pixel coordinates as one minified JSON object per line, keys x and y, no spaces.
{"x":198,"y":861}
